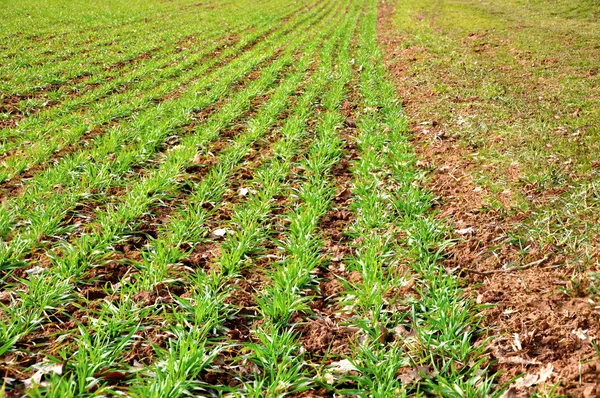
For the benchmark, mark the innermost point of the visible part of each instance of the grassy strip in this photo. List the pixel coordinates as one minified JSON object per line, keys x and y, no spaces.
{"x":388,"y":203}
{"x":50,"y":208}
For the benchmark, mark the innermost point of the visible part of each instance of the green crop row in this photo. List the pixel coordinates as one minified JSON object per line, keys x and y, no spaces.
{"x":40,"y":137}
{"x":426,"y":336}
{"x":24,"y":76}
{"x":277,"y":351}
{"x":187,"y":354}
{"x":91,"y":169}
{"x":71,"y":259}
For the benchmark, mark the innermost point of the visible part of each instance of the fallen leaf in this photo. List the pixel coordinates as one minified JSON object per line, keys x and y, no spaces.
{"x":510,"y":393}
{"x":112,"y":376}
{"x":591,"y":391}
{"x":329,"y":379}
{"x":545,"y":373}
{"x":36,"y":379}
{"x":582,"y":334}
{"x":34,"y":270}
{"x":412,"y":376}
{"x":344,"y":195}
{"x":527,"y":381}
{"x":218,"y":233}
{"x":517,"y":342}
{"x":465,"y":231}
{"x":531,"y":379}
{"x":197,"y":159}
{"x":172,"y":140}
{"x":343,"y":366}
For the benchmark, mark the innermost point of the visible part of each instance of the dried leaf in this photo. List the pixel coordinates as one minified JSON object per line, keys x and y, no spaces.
{"x":510,"y":393}
{"x":344,"y":195}
{"x":218,"y":233}
{"x":581,"y":334}
{"x":329,"y":379}
{"x":545,"y":373}
{"x":343,"y":366}
{"x":36,"y":379}
{"x":112,"y":376}
{"x":416,"y":374}
{"x":412,"y":376}
{"x":517,"y":342}
{"x":591,"y":391}
{"x":527,"y":381}
{"x":35,"y":270}
{"x":465,"y":231}
{"x":172,"y":140}
{"x":197,"y":159}
{"x":532,"y":379}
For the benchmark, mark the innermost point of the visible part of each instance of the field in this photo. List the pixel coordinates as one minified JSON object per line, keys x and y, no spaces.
{"x":238,"y":198}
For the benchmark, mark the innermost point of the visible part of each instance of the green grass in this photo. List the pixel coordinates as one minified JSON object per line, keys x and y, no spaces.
{"x":162,"y":226}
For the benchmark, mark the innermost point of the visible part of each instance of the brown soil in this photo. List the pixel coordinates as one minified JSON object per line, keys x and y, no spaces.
{"x":323,"y":336}
{"x":531,"y":323}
